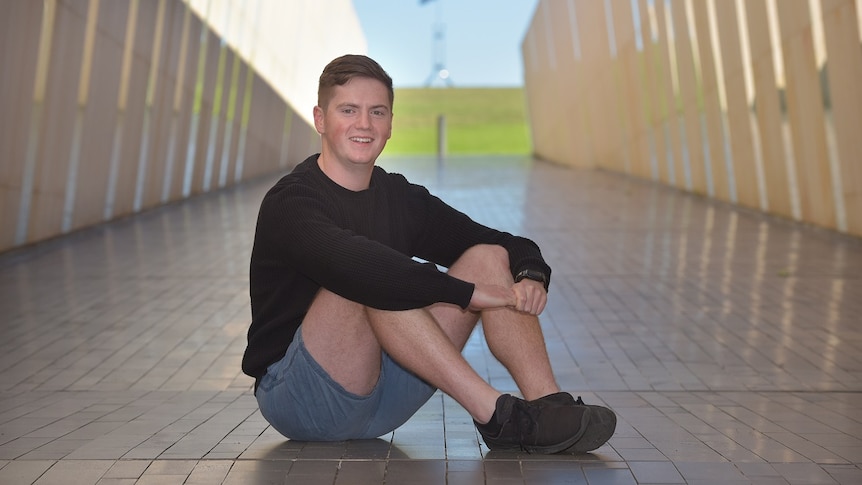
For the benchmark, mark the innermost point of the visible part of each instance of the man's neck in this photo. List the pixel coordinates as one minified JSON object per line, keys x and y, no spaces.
{"x":355,"y":178}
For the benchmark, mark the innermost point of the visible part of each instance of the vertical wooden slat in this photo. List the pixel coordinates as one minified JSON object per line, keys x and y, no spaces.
{"x":20,"y":33}
{"x":689,"y":87}
{"x":769,"y":111}
{"x":655,"y":104}
{"x":745,"y":163}
{"x":144,"y":172}
{"x":180,"y":109}
{"x":715,"y":139}
{"x":845,"y":71}
{"x":34,"y":134}
{"x":671,"y":119}
{"x":84,"y":83}
{"x":805,"y":111}
{"x":51,"y":167}
{"x":636,"y":145}
{"x":116,"y":166}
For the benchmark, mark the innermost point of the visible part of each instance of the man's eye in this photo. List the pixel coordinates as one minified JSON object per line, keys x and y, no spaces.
{"x":348,"y":110}
{"x":378,"y":113}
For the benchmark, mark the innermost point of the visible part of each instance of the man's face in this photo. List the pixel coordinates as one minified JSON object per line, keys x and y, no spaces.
{"x":356,"y":122}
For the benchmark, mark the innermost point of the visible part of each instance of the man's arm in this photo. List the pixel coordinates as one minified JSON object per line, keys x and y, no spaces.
{"x":526,"y":296}
{"x":296,"y":231}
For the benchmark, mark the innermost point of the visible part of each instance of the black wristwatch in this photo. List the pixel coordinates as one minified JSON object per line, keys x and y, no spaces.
{"x":534,"y":275}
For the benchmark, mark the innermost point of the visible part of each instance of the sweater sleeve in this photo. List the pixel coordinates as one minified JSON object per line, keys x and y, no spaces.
{"x":300,"y":232}
{"x":445,"y":234}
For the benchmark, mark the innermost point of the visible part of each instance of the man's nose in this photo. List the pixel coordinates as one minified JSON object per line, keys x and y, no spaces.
{"x":364,"y":120}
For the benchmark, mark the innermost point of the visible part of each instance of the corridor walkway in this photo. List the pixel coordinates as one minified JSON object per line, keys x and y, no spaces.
{"x":729,"y":343}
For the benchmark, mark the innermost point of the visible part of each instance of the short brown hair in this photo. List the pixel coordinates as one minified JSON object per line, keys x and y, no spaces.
{"x":342,"y":69}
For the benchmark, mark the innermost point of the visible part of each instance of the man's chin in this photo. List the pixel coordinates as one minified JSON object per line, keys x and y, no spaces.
{"x":366,"y":159}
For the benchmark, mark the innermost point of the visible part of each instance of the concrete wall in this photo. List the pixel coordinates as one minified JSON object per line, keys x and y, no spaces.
{"x":114,"y":107}
{"x":753,"y":102}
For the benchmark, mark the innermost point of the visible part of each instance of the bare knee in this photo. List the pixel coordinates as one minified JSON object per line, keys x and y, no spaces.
{"x":486,"y":263}
{"x":488,"y":254}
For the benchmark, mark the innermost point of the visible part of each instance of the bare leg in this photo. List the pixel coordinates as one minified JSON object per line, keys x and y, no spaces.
{"x":336,"y":333}
{"x":415,"y":340}
{"x":513,"y":337}
{"x":516,"y":340}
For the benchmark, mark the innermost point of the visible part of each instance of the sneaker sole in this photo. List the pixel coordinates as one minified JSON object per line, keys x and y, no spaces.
{"x":603,"y":423}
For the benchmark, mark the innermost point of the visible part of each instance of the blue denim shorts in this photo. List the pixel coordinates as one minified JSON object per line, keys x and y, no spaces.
{"x":302,"y":402}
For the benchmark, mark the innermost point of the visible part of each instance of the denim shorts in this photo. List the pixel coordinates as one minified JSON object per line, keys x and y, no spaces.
{"x":302,"y":402}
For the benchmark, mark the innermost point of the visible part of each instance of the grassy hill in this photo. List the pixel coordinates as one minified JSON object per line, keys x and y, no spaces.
{"x":478,"y":121}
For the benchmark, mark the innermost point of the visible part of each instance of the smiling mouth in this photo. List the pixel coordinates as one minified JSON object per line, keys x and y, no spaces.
{"x":360,"y":139}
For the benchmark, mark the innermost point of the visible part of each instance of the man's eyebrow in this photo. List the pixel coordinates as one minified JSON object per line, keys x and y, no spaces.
{"x":348,"y":104}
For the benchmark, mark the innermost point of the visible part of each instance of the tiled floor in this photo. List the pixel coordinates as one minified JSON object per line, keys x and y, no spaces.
{"x":729,"y":343}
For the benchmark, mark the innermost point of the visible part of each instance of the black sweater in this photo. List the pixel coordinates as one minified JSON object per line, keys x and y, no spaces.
{"x":313,"y":233}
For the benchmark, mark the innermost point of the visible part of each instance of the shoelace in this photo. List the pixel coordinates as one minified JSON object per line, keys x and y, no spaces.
{"x":527,"y":421}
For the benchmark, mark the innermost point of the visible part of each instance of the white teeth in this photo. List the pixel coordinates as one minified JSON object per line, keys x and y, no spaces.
{"x":361,"y":140}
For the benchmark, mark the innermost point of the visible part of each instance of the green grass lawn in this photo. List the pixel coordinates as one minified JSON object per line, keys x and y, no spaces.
{"x":478,"y":121}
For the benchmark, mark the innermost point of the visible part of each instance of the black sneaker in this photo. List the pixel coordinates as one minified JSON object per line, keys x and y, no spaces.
{"x":603,"y":421}
{"x":546,"y":428}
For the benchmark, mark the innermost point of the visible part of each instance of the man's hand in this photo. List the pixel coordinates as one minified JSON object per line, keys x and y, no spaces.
{"x":530,"y":296}
{"x":526,"y":296}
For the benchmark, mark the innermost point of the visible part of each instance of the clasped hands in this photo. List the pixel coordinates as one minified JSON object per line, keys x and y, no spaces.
{"x":526,"y":296}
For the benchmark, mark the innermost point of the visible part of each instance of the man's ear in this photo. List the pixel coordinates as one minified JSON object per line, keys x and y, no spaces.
{"x":318,"y":119}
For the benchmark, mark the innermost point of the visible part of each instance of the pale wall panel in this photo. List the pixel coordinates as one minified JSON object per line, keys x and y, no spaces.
{"x":770,"y":119}
{"x":162,"y":107}
{"x":845,"y":72}
{"x":146,"y":138}
{"x":184,"y":99}
{"x":134,"y":106}
{"x":602,"y":102}
{"x":670,"y":115}
{"x":100,"y":115}
{"x":52,"y":159}
{"x":692,"y":99}
{"x":653,"y":91}
{"x":634,"y":150}
{"x":805,"y":111}
{"x":563,"y":79}
{"x":712,"y":104}
{"x":19,"y":31}
{"x":739,"y":122}
{"x":235,"y":121}
{"x":715,"y":156}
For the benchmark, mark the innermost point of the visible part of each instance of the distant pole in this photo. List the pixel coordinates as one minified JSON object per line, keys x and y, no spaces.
{"x":441,"y":137}
{"x":438,"y":54}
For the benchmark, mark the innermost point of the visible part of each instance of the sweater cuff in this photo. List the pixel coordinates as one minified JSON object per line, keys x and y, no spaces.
{"x":461,"y":292}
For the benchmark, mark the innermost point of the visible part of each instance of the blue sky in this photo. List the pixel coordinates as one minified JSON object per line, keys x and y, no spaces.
{"x":483,"y":39}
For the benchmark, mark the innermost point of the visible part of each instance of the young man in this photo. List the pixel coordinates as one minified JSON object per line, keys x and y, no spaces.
{"x":350,"y":334}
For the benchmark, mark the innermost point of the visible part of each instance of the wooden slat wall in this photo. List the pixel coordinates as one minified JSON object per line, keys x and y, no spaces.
{"x":753,"y":102}
{"x":114,"y":107}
